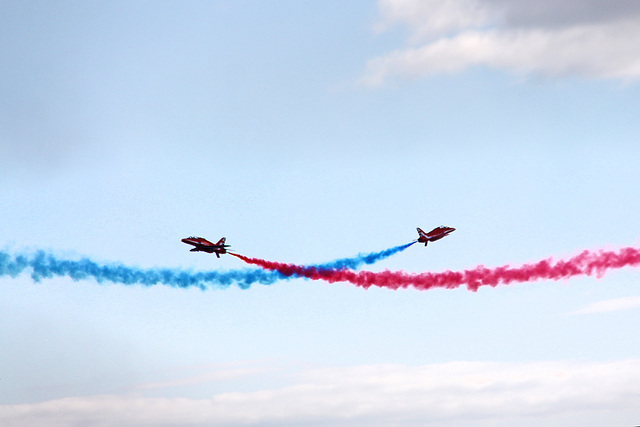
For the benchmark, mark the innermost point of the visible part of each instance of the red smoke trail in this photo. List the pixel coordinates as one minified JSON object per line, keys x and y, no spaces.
{"x":587,"y":263}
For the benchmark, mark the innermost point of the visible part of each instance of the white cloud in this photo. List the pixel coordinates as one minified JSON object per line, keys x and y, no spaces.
{"x":431,"y":18}
{"x":445,"y":394}
{"x":616,"y":304}
{"x":553,"y":39}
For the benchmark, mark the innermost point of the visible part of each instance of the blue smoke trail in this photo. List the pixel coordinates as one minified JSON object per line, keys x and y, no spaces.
{"x":45,"y":265}
{"x":358,"y":260}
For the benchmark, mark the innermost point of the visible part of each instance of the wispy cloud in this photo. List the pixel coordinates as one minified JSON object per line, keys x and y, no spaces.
{"x":593,"y":38}
{"x":498,"y":394}
{"x":207,"y":376}
{"x":616,"y":304}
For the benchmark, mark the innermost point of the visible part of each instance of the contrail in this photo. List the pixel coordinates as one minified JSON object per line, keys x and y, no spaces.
{"x":46,"y":265}
{"x":587,"y":263}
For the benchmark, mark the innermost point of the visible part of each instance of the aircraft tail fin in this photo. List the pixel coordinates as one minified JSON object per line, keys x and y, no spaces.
{"x":221,"y":241}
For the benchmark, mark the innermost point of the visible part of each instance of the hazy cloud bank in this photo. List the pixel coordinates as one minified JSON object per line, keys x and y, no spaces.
{"x":445,"y":394}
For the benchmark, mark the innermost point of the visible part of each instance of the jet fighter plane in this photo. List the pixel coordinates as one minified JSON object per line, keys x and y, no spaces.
{"x":435,"y":234}
{"x":203,"y":245}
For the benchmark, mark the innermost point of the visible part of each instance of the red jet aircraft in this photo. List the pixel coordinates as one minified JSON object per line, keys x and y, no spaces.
{"x":203,"y":245}
{"x":435,"y":234}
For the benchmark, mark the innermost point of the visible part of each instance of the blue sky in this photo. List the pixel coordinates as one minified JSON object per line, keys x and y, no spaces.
{"x":305,"y":133}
